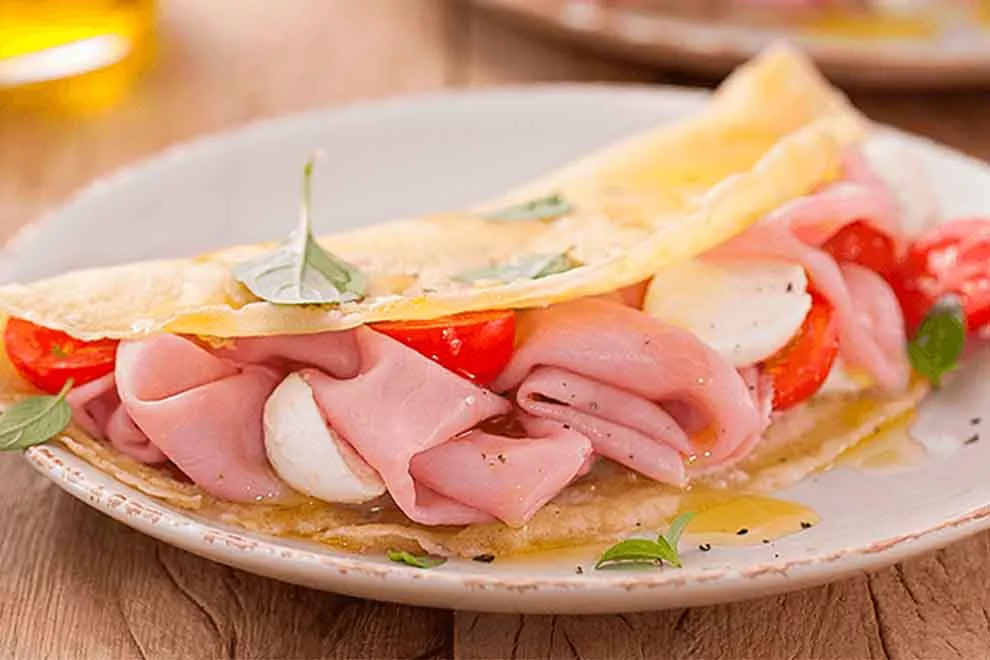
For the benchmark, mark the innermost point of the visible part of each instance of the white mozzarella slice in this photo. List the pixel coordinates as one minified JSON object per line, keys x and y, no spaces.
{"x":745,"y":310}
{"x":308,"y":454}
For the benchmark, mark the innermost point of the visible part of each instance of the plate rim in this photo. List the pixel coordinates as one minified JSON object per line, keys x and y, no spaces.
{"x":479,"y":589}
{"x":653,"y":38}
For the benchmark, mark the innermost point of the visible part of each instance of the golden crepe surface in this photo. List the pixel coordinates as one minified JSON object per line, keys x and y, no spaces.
{"x":773,"y":132}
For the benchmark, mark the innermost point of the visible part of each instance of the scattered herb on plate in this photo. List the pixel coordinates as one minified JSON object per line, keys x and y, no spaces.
{"x":938,"y":344}
{"x":543,"y":208}
{"x":300,"y":271}
{"x":529,"y":267}
{"x":35,"y":420}
{"x":416,"y":561}
{"x":647,"y":551}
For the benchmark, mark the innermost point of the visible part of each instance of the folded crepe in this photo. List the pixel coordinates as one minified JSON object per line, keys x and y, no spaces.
{"x":625,"y":385}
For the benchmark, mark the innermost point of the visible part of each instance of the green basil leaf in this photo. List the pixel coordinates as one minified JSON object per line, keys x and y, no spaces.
{"x":676,"y":529}
{"x":300,"y":271}
{"x":938,"y":344}
{"x":34,"y":421}
{"x":636,"y":551}
{"x":639,"y":551}
{"x":668,"y":551}
{"x":530,"y":267}
{"x":417,"y":561}
{"x":543,"y":208}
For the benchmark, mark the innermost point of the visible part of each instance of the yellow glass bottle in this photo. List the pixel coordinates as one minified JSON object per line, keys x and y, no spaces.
{"x":72,"y":55}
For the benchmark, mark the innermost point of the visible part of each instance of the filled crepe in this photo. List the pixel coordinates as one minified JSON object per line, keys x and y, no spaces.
{"x":712,"y":304}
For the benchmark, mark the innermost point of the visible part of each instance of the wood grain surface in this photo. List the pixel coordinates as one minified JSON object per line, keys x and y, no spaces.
{"x":75,"y":584}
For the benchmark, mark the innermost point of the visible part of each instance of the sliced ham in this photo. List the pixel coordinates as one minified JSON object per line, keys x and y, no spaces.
{"x":761,"y":391}
{"x":200,"y":406}
{"x":797,"y":230}
{"x":861,"y":195}
{"x":879,"y":312}
{"x":96,"y":407}
{"x":172,"y":398}
{"x":409,"y":418}
{"x":203,"y":412}
{"x":509,"y":478}
{"x":618,"y":375}
{"x":333,"y":352}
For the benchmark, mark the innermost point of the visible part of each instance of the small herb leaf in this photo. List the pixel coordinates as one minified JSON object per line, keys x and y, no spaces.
{"x":677,"y":528}
{"x":634,"y":551}
{"x":640,"y":551}
{"x":35,"y":420}
{"x":300,"y":271}
{"x":417,"y":561}
{"x":543,"y":208}
{"x":529,"y":267}
{"x":938,"y":344}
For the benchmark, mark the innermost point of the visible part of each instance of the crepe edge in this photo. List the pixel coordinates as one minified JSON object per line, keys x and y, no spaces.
{"x":570,"y":520}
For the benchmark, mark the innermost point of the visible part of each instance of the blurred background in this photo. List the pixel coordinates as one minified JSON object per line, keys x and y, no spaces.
{"x":87,"y":86}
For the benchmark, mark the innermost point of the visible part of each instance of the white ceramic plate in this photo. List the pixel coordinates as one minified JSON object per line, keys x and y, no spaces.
{"x":410,"y":156}
{"x":959,"y":55}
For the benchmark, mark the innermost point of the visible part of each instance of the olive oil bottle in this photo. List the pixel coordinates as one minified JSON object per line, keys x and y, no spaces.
{"x":72,"y":55}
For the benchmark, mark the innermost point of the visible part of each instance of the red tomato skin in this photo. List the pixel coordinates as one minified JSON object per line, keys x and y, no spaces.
{"x":799,"y":369}
{"x":860,"y":243}
{"x":47,"y":358}
{"x":475,"y":345}
{"x":951,"y":258}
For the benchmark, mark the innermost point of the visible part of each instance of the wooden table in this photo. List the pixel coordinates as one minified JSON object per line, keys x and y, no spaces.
{"x":73,"y":583}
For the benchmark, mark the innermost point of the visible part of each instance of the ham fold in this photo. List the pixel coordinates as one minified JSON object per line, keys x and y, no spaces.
{"x":203,"y":412}
{"x":415,"y":423}
{"x":647,"y":394}
{"x":871,"y":325}
{"x":412,"y":420}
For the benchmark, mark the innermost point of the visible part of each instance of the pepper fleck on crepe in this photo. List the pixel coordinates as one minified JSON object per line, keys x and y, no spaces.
{"x":552,"y":368}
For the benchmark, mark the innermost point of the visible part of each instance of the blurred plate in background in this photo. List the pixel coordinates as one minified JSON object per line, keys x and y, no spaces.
{"x":946,"y":54}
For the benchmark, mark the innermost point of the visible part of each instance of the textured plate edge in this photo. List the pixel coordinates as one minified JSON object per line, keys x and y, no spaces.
{"x":352,"y":575}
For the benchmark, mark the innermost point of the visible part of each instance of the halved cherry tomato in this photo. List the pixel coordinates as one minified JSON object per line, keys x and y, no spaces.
{"x":951,"y":258}
{"x":47,"y":358}
{"x":476,"y":345}
{"x":861,"y":244}
{"x":799,"y":369}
